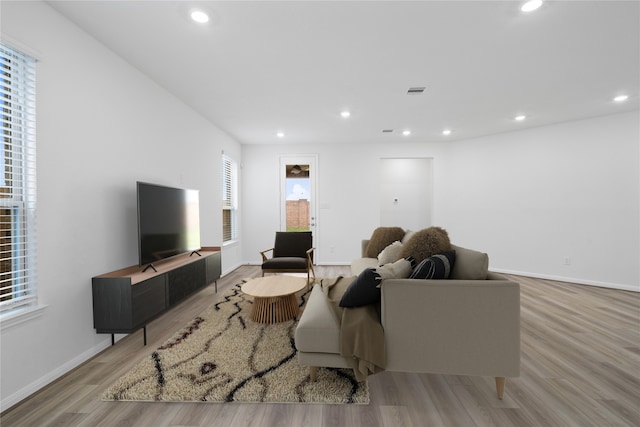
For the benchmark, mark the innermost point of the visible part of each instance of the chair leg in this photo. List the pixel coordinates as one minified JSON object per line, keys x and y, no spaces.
{"x":313,"y":373}
{"x":500,"y":387}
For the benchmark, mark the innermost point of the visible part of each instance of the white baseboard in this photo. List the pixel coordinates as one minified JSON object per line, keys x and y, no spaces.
{"x":9,"y":401}
{"x":569,"y":280}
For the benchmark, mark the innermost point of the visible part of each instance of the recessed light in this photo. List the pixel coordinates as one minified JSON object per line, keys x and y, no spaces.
{"x":621,"y":98}
{"x":446,"y":132}
{"x":345,"y":114}
{"x":531,"y":5}
{"x":280,"y":134}
{"x":199,"y":16}
{"x":406,"y":132}
{"x":520,"y":118}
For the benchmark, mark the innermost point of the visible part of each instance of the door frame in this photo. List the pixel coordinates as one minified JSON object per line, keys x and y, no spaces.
{"x":300,"y":159}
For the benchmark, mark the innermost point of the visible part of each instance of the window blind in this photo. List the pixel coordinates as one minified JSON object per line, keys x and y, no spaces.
{"x":17,"y":180}
{"x":229,"y":203}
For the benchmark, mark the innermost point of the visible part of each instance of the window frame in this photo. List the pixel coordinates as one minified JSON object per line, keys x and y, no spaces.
{"x":18,"y":186}
{"x":229,"y":200}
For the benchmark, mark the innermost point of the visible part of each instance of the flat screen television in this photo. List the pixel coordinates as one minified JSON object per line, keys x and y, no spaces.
{"x":168,"y":222}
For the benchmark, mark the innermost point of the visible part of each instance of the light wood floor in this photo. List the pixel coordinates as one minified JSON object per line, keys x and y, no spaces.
{"x":580,"y":367}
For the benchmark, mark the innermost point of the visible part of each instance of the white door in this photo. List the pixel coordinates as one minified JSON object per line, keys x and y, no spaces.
{"x":406,"y":192}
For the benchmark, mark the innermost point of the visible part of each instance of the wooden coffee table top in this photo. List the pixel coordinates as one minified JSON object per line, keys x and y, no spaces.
{"x":274,"y":286}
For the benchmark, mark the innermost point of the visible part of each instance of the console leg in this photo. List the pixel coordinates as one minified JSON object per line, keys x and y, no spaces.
{"x":113,"y":339}
{"x":144,"y":333}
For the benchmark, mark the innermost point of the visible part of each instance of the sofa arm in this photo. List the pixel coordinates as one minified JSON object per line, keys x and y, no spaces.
{"x":458,"y":327}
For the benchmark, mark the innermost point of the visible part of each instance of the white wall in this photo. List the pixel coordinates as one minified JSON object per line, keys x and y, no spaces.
{"x":348,"y":194}
{"x":101,"y":126}
{"x":534,"y":198}
{"x":529,"y":199}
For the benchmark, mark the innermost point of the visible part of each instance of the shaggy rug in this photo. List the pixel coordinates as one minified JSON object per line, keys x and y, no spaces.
{"x":223,"y":356}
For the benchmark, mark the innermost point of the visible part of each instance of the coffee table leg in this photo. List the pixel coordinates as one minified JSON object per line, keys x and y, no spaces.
{"x":274,"y":309}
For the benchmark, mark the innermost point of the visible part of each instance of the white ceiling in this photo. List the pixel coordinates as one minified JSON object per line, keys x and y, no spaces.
{"x":259,"y":67}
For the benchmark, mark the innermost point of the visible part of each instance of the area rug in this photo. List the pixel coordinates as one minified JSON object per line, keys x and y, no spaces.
{"x":223,"y":356}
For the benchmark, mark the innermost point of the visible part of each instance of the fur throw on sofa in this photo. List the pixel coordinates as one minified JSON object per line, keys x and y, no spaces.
{"x":427,"y":242}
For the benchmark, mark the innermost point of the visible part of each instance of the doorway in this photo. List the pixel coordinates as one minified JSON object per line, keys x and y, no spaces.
{"x":298,"y":193}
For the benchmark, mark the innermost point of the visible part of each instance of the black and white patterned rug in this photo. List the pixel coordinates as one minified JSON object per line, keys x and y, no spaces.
{"x":223,"y":356}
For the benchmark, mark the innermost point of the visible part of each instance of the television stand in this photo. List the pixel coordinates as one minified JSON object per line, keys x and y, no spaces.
{"x":195,"y":252}
{"x":144,"y":335}
{"x":129,"y":299}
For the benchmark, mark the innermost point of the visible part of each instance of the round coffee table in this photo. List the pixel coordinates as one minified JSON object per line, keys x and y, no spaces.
{"x":274,"y":298}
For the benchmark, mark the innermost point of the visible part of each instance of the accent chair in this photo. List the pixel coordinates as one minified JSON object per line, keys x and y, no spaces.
{"x":292,"y":253}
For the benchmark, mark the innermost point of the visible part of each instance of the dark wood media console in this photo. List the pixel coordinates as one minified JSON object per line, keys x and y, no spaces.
{"x":126,"y":300}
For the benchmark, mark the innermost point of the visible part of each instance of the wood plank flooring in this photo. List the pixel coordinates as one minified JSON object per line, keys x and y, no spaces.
{"x":580,"y":367}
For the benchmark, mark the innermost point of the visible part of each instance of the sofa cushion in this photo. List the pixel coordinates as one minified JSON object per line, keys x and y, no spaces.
{"x":381,"y":238}
{"x":363,"y":290}
{"x":427,"y":242}
{"x":469,"y":265}
{"x":359,"y":264}
{"x":391,"y":253}
{"x":437,"y":266}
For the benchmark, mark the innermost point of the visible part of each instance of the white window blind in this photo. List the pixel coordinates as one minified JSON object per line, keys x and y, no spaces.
{"x":17,"y":180}
{"x":229,"y":196}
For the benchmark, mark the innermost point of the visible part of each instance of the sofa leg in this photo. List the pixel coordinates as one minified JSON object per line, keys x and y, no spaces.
{"x":500,"y":387}
{"x":313,"y":373}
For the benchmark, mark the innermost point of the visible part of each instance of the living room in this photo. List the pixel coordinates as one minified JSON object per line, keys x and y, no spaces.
{"x":531,"y":198}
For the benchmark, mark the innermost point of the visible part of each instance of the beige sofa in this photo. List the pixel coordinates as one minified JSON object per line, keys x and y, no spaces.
{"x":468,"y":324}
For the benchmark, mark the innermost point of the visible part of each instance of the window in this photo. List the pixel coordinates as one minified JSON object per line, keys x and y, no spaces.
{"x":229,"y":199}
{"x":17,"y":181}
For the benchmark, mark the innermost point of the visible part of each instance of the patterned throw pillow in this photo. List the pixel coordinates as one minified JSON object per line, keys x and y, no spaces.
{"x":435,"y":267}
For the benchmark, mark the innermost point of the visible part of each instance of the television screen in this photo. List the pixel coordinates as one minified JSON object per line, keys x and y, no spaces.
{"x":168,"y":222}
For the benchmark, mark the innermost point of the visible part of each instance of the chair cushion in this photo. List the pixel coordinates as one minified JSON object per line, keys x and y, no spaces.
{"x":292,"y":244}
{"x":285,"y":263}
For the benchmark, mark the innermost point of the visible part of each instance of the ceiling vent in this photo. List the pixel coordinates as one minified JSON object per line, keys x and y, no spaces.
{"x":416,"y":90}
{"x":387,"y":130}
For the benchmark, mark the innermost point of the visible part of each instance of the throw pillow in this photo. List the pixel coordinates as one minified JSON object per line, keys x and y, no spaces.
{"x":381,"y":238}
{"x":407,"y":235}
{"x":427,"y":242}
{"x":470,"y":264}
{"x":435,"y":267}
{"x":391,"y":253}
{"x":400,"y":269}
{"x":363,"y":290}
